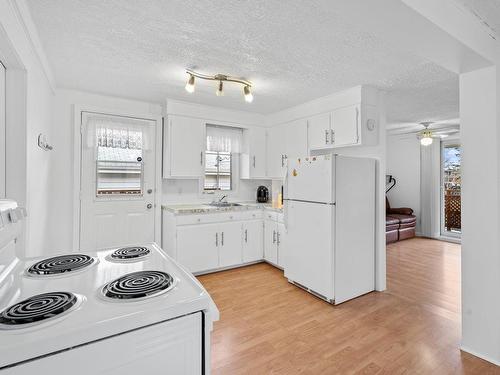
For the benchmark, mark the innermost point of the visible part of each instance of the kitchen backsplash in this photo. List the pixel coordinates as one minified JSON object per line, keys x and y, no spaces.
{"x":188,"y":191}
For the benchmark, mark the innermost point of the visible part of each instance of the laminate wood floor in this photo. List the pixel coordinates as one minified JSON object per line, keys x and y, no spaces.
{"x":269,"y":326}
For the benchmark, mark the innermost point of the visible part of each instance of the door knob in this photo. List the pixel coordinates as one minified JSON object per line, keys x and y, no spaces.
{"x":149,"y":206}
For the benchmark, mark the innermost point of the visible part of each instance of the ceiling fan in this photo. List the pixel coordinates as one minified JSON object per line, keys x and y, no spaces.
{"x":430,"y":130}
{"x":426,"y":135}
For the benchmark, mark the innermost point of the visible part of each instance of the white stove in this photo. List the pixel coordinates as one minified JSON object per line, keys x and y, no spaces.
{"x":115,"y":311}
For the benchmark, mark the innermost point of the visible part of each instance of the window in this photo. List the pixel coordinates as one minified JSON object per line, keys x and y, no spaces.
{"x":223,"y":143}
{"x":451,"y":188}
{"x":119,"y":159}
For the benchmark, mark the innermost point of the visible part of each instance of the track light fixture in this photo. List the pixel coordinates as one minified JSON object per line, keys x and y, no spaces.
{"x":221,"y":78}
{"x":190,"y":84}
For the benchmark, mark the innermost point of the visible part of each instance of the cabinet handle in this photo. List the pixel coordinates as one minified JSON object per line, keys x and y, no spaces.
{"x":282,"y":160}
{"x":278,"y":237}
{"x":201,"y":158}
{"x":246,"y":235}
{"x":326,"y":137}
{"x":274,"y":236}
{"x":216,"y":239}
{"x":222,"y":239}
{"x":332,"y":136}
{"x":254,"y":161}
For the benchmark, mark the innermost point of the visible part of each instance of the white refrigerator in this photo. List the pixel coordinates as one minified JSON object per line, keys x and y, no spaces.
{"x":329,"y":204}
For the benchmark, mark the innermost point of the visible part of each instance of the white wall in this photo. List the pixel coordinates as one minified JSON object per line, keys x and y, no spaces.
{"x":29,"y":112}
{"x":480,"y":120}
{"x":60,"y":232}
{"x":403,"y":162}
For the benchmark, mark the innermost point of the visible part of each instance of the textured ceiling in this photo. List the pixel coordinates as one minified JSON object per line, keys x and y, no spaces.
{"x":292,"y":51}
{"x":488,"y":12}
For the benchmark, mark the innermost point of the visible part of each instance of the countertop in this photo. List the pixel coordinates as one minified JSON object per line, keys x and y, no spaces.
{"x":205,"y":208}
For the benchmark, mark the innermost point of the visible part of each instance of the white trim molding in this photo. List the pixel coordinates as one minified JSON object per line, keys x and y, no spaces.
{"x":23,"y":14}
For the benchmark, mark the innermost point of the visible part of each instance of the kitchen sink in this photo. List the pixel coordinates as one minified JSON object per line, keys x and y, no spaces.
{"x":223,"y":204}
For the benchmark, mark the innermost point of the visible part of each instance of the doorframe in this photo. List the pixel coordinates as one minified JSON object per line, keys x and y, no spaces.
{"x":77,"y":158}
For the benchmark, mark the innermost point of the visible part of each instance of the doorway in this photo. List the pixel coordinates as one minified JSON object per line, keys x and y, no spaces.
{"x":117,"y":181}
{"x":451,"y":183}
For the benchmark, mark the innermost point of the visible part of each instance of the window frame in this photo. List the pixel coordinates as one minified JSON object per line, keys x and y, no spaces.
{"x":452,"y":141}
{"x":218,"y":173}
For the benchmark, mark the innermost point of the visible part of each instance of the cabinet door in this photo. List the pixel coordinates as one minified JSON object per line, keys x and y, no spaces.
{"x":296,"y":139}
{"x":318,"y":131}
{"x":197,"y":246}
{"x":270,"y":241}
{"x":257,"y":148}
{"x":281,"y":241}
{"x":230,"y":251}
{"x":252,"y":241}
{"x":185,"y":147}
{"x":345,"y":125}
{"x":276,"y":144}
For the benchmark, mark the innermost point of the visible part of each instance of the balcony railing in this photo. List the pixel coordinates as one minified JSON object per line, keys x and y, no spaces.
{"x":452,"y":210}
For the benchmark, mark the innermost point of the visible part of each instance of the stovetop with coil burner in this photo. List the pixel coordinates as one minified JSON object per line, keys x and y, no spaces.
{"x":72,"y":299}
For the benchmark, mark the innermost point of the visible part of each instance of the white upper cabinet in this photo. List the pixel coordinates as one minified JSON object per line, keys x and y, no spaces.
{"x":296,"y":139}
{"x":276,"y":151}
{"x":352,"y":125}
{"x":319,"y":131}
{"x":253,"y":156}
{"x":183,"y":147}
{"x":346,"y":126}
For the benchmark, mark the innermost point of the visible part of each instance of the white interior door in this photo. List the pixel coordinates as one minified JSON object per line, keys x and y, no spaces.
{"x":2,"y":131}
{"x":117,"y":186}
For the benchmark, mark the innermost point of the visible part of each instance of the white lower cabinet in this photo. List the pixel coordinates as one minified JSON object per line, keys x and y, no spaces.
{"x":281,"y":243}
{"x":230,"y":250}
{"x":270,"y":241}
{"x":209,"y":242}
{"x":198,"y":246}
{"x":274,"y":242}
{"x":252,"y":241}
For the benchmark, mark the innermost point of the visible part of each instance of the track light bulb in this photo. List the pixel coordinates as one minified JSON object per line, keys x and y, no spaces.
{"x":190,"y":84}
{"x":219,"y":91}
{"x":248,"y":94}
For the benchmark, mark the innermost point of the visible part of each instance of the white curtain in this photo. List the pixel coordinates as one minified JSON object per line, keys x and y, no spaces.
{"x":224,"y":139}
{"x":430,"y":182}
{"x":117,"y":132}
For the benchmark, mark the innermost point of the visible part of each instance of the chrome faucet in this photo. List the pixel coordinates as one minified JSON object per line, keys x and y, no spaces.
{"x":222,"y":198}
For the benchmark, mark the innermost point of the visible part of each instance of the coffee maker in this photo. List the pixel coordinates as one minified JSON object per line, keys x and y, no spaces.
{"x":262,"y":194}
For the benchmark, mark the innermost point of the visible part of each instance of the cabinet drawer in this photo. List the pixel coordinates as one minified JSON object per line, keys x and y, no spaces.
{"x":218,"y":217}
{"x":270,"y":215}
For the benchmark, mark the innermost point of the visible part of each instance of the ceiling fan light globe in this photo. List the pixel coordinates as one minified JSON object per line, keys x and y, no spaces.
{"x":426,"y":141}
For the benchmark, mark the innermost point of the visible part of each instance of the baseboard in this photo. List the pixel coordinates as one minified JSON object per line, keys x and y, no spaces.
{"x":476,"y":354}
{"x":456,"y":240}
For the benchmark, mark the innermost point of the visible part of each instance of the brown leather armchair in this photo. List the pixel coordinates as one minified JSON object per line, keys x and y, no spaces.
{"x":400,"y":223}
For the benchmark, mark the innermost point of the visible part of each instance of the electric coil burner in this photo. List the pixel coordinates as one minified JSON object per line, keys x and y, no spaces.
{"x":130,"y":253}
{"x":60,"y":264}
{"x":37,"y":308}
{"x":138,"y":285}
